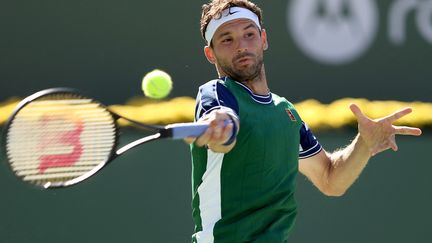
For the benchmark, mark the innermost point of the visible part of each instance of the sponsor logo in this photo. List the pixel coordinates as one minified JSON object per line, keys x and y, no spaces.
{"x":338,"y":32}
{"x":231,"y":13}
{"x":398,"y":17}
{"x":291,"y":115}
{"x":333,"y":31}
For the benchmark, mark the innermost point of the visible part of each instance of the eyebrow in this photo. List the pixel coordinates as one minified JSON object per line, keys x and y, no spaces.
{"x":228,"y":32}
{"x":249,"y":26}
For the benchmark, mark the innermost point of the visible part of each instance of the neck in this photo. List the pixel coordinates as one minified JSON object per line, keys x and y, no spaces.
{"x":258,"y":85}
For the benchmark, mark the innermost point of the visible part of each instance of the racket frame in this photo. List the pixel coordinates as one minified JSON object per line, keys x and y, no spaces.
{"x":60,"y":90}
{"x":160,"y":132}
{"x":112,"y":154}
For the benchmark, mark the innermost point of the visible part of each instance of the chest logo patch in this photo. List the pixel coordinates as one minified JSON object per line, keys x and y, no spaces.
{"x":291,"y":115}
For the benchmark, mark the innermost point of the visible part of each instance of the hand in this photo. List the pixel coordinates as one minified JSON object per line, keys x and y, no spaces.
{"x":380,"y":134}
{"x":218,"y":132}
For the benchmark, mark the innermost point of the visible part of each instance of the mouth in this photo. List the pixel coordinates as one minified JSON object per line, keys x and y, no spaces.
{"x":244,"y":60}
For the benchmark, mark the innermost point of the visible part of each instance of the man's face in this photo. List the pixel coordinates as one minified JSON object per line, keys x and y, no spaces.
{"x":238,"y":49}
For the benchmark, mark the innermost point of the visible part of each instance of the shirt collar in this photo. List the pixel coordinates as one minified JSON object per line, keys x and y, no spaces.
{"x":262,"y":99}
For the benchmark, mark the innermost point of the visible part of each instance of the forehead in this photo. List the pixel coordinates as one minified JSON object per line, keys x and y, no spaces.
{"x":234,"y":25}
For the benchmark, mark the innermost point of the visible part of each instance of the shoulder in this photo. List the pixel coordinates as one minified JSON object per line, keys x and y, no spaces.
{"x":214,"y":89}
{"x":212,"y":85}
{"x":282,"y":100}
{"x":209,"y":84}
{"x":309,"y":145}
{"x":287,"y":105}
{"x":214,"y":95}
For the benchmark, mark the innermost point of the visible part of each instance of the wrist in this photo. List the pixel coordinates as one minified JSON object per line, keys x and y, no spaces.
{"x":234,"y":131}
{"x":363,"y":146}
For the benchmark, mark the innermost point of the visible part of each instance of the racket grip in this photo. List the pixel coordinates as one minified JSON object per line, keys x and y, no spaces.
{"x":184,"y":130}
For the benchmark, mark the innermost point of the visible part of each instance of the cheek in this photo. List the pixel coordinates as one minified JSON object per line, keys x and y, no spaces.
{"x":223,"y":56}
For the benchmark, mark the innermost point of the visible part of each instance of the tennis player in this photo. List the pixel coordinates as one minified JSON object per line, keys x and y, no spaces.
{"x":244,"y":173}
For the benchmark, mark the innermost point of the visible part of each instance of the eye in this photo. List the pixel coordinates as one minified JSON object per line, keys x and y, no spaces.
{"x":250,"y":34}
{"x":226,"y":40}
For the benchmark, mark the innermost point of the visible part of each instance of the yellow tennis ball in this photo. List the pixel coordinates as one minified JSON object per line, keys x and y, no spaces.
{"x":156,"y":84}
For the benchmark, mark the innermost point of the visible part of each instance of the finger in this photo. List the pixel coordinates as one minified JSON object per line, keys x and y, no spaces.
{"x":227,"y":132}
{"x":219,"y":135}
{"x":403,"y":130}
{"x":392,"y":143}
{"x":395,"y":116}
{"x":374,"y":151}
{"x":189,"y":140}
{"x":204,"y":118}
{"x":212,"y":134}
{"x":217,"y":132}
{"x":357,"y":112}
{"x":205,"y":137}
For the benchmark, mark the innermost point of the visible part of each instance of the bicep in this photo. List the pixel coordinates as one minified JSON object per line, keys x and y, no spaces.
{"x":315,"y":167}
{"x":313,"y":159}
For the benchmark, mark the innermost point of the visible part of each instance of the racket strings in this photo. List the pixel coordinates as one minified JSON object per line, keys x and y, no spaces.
{"x":59,"y":138}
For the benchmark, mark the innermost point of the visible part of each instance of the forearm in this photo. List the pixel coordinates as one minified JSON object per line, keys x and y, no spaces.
{"x":346,"y":165}
{"x":333,"y":173}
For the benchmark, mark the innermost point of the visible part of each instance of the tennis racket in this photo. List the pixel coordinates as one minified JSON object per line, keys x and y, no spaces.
{"x":58,"y":137}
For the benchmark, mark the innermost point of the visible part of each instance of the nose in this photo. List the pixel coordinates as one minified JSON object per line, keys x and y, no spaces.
{"x":241,"y":49}
{"x":242,"y":45}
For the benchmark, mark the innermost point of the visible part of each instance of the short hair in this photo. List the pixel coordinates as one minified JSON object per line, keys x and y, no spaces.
{"x":214,"y":9}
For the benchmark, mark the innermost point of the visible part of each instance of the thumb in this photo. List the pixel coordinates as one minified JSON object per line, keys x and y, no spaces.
{"x":189,"y":140}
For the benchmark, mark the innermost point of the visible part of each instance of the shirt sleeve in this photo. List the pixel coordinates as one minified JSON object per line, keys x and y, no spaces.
{"x":213,"y":95}
{"x":309,"y":145}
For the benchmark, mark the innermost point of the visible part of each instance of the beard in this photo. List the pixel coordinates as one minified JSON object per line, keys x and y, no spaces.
{"x":241,"y":72}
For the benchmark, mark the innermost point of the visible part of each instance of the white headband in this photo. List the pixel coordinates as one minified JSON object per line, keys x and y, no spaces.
{"x":228,"y":15}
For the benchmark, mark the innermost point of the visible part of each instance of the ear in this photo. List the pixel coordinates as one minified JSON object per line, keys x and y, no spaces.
{"x":208,"y":52}
{"x":264,"y":39}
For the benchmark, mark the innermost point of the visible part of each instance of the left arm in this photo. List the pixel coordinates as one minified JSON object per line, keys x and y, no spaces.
{"x":333,"y":173}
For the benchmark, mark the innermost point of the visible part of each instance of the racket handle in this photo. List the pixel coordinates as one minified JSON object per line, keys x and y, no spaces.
{"x":183,"y":130}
